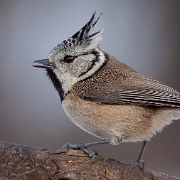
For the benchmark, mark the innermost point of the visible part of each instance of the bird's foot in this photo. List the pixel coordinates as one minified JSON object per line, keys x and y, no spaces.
{"x":83,"y":146}
{"x":140,"y":164}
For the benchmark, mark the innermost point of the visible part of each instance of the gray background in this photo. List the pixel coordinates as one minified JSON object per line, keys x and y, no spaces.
{"x":141,"y":33}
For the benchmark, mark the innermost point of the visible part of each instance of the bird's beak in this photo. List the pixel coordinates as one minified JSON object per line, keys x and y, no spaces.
{"x":44,"y":63}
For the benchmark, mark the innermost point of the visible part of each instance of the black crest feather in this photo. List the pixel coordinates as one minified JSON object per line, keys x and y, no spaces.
{"x":83,"y":33}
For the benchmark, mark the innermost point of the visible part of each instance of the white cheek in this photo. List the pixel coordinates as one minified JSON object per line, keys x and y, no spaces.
{"x":66,"y":79}
{"x":82,"y":64}
{"x":68,"y":76}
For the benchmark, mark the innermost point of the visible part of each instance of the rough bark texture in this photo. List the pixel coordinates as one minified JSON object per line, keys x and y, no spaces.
{"x":23,"y":162}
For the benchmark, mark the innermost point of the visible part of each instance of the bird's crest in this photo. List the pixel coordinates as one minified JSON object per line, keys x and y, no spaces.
{"x":82,"y":40}
{"x":83,"y":33}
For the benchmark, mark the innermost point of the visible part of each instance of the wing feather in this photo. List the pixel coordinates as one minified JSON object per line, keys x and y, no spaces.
{"x":138,"y":96}
{"x":117,"y":83}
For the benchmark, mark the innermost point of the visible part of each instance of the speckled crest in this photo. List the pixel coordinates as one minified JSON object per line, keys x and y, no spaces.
{"x":81,"y":42}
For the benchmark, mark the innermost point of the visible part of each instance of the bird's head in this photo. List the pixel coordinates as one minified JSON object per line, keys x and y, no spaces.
{"x":76,"y":58}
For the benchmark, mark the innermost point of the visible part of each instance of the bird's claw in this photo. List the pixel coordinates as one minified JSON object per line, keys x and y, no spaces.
{"x":140,"y":164}
{"x":68,"y":146}
{"x":83,"y":146}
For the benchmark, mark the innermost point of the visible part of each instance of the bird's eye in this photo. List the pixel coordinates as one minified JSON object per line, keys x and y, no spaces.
{"x":69,"y":59}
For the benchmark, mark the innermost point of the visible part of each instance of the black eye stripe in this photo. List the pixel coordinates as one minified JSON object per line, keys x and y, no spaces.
{"x":69,"y":58}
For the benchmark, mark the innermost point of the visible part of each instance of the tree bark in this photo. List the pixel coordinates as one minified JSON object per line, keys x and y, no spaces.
{"x":24,"y":162}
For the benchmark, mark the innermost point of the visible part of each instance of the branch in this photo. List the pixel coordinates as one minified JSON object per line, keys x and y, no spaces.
{"x":24,"y":162}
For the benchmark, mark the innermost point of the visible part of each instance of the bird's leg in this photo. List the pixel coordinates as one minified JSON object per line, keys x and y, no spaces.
{"x":139,"y":162}
{"x":84,"y":146}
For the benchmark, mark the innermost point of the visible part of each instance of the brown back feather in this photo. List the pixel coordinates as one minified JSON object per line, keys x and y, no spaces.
{"x":117,"y":83}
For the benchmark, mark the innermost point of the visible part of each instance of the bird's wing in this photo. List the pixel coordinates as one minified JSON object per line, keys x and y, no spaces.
{"x":139,"y":97}
{"x":117,"y":83}
{"x":150,"y":93}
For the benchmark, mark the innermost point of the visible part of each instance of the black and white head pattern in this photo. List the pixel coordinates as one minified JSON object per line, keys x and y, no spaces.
{"x":79,"y":56}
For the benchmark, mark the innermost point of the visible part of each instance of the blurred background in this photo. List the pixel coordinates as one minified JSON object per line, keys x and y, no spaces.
{"x":140,"y":33}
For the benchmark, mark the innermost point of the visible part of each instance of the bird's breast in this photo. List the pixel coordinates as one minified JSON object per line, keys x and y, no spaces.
{"x":115,"y":122}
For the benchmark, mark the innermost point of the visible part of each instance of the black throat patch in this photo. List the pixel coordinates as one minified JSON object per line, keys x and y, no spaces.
{"x":56,"y":83}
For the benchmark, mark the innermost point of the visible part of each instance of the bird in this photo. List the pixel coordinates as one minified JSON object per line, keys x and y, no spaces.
{"x":105,"y":97}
